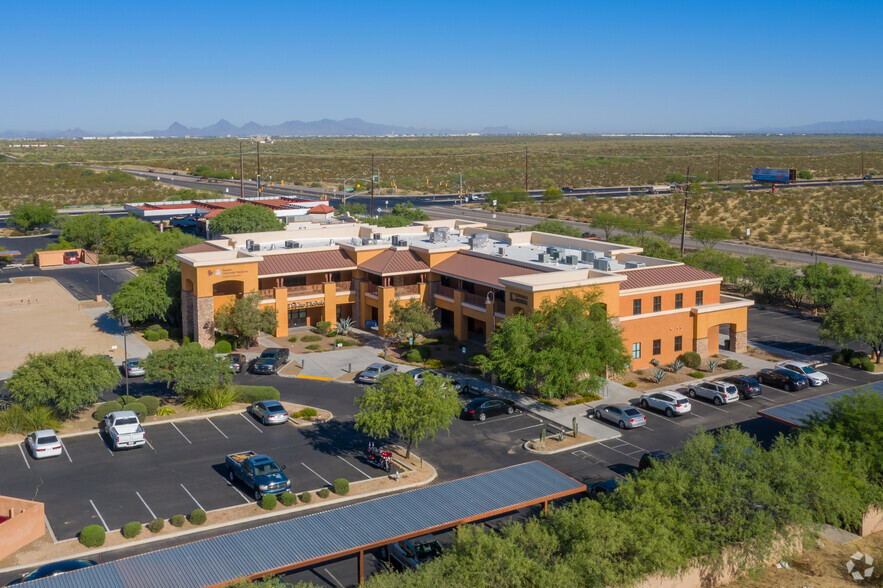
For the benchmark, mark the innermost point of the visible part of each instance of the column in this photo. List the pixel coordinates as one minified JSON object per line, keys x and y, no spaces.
{"x":187,"y":317}
{"x":700,"y":346}
{"x":738,"y":340}
{"x":386,"y":295}
{"x":204,"y":332}
{"x":461,"y":331}
{"x":281,"y":296}
{"x":330,"y":310}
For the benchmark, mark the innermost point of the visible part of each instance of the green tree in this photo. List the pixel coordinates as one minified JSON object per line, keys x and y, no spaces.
{"x":667,"y":231}
{"x":85,"y":229}
{"x":709,"y":235}
{"x":159,"y":247}
{"x":730,"y":267}
{"x":607,"y":222}
{"x":351,"y":208}
{"x":123,"y":232}
{"x":555,"y":227}
{"x":804,"y":174}
{"x":248,"y":218}
{"x":148,"y":296}
{"x":409,"y":320}
{"x":856,"y":319}
{"x":66,"y":380}
{"x":829,"y":283}
{"x":30,"y":216}
{"x":505,"y":197}
{"x":636,"y":226}
{"x":397,"y":404}
{"x":402,"y":215}
{"x":244,"y":319}
{"x":189,"y":370}
{"x":552,"y":194}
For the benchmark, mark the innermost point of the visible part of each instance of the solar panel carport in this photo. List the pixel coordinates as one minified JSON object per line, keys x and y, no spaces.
{"x":312,"y":539}
{"x":795,"y":413}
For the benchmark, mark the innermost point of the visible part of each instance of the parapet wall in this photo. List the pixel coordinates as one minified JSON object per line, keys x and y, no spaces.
{"x":25,"y":522}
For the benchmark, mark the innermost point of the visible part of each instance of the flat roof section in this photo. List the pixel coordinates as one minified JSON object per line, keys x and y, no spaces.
{"x":795,"y":413}
{"x":322,"y":536}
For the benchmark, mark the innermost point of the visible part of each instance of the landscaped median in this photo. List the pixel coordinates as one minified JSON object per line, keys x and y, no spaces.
{"x":94,"y":539}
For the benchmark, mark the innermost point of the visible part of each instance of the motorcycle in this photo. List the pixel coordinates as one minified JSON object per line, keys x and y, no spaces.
{"x":378,"y":458}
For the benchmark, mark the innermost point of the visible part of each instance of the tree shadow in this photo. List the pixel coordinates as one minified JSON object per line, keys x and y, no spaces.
{"x":339,"y":437}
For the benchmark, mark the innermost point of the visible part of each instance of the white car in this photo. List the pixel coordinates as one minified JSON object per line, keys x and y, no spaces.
{"x":43,"y":443}
{"x":815,"y":378}
{"x":717,"y":392}
{"x":667,"y":401}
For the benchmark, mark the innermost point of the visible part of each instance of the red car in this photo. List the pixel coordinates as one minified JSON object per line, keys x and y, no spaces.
{"x":71,"y":257}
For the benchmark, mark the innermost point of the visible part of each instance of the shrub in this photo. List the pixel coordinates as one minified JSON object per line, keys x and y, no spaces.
{"x":93,"y":536}
{"x":322,"y":327}
{"x":124,"y":400}
{"x":712,"y":365}
{"x":105,"y":409}
{"x":216,"y":399}
{"x":435,"y":364}
{"x":151,"y":403}
{"x":185,"y":340}
{"x":223,"y":346}
{"x":476,"y":360}
{"x":314,"y":347}
{"x":324,"y":493}
{"x":156,"y":525}
{"x":165,"y":411}
{"x":696,"y":375}
{"x":132,"y":530}
{"x":287,"y":498}
{"x":306,"y":413}
{"x":306,"y":497}
{"x":344,"y":325}
{"x":855,"y":362}
{"x":257,"y":393}
{"x":178,"y":520}
{"x":139,"y":409}
{"x":268,"y":501}
{"x":198,"y":516}
{"x":631,"y":384}
{"x":867,"y":364}
{"x":676,"y":366}
{"x":311,"y":338}
{"x":14,"y":420}
{"x":349,"y":342}
{"x":732,"y":364}
{"x":657,"y":375}
{"x":691,"y":359}
{"x":151,"y":335}
{"x":413,"y":356}
{"x":341,"y":486}
{"x":293,"y":339}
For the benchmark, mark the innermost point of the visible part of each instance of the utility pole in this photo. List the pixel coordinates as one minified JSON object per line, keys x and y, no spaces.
{"x":526,"y":168}
{"x":686,"y":197}
{"x":241,"y":173}
{"x":863,"y":163}
{"x":98,"y":256}
{"x":718,"y":167}
{"x":371,"y":209}
{"x":259,"y":168}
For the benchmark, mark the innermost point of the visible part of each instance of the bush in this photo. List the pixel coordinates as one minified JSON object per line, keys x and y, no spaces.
{"x":867,"y":364}
{"x":151,"y":403}
{"x":349,"y":342}
{"x":139,"y":409}
{"x":306,"y":497}
{"x":151,"y":335}
{"x":341,"y":487}
{"x":311,"y":338}
{"x":691,"y":359}
{"x":178,"y":520}
{"x":93,"y":536}
{"x":166,"y":411}
{"x":156,"y":525}
{"x":322,"y":327}
{"x":198,"y":516}
{"x":855,"y":362}
{"x":838,"y":357}
{"x":413,"y":356}
{"x":324,"y":493}
{"x":105,"y":409}
{"x":268,"y":501}
{"x":732,"y":364}
{"x":223,"y":346}
{"x":257,"y":393}
{"x":631,"y":384}
{"x":314,"y":347}
{"x":696,"y":375}
{"x":132,"y":530}
{"x":306,"y":413}
{"x":435,"y":364}
{"x":293,"y":339}
{"x":287,"y":498}
{"x":185,"y":340}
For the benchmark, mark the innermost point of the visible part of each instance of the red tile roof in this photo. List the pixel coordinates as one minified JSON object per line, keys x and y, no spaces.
{"x":394,"y":261}
{"x":298,"y":263}
{"x":200,"y":248}
{"x":663,"y":275}
{"x":481,"y":269}
{"x":321,"y":209}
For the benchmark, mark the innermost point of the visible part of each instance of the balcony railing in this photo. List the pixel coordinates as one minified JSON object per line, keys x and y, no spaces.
{"x":314,"y":290}
{"x":267,"y":293}
{"x":343,"y":286}
{"x":407,"y":290}
{"x":474,"y":299}
{"x":371,"y":288}
{"x":500,"y":306}
{"x":445,"y":291}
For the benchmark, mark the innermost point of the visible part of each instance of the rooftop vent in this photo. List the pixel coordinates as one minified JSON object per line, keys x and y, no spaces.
{"x":501,"y":251}
{"x":377,"y":236}
{"x":558,"y":253}
{"x":403,"y":243}
{"x":395,"y":240}
{"x":477,"y":240}
{"x":290,"y":244}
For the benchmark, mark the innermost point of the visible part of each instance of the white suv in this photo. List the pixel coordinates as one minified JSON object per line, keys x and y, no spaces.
{"x":804,"y":369}
{"x":717,"y":392}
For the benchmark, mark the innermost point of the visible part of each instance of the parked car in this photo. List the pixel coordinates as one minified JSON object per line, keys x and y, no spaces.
{"x":270,"y":361}
{"x":237,"y":360}
{"x":271,"y":412}
{"x":124,"y":429}
{"x":185,"y":222}
{"x":457,"y":383}
{"x":418,"y":373}
{"x":258,"y":472}
{"x":868,"y":177}
{"x":747,"y":386}
{"x":815,"y":378}
{"x":481,"y":408}
{"x":784,"y":379}
{"x":601,"y":487}
{"x":670,"y":402}
{"x":54,"y":569}
{"x":647,"y":460}
{"x":623,"y":415}
{"x":411,"y":554}
{"x":132,"y":367}
{"x":43,"y":443}
{"x":717,"y":392}
{"x":71,"y":257}
{"x":375,"y":371}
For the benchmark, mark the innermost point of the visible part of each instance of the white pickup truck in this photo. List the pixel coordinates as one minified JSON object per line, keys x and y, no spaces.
{"x":123,"y":429}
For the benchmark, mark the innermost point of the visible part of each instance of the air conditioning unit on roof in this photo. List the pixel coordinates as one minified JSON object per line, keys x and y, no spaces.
{"x":590,"y":255}
{"x":572,"y":260}
{"x":290,"y":244}
{"x":634,"y":264}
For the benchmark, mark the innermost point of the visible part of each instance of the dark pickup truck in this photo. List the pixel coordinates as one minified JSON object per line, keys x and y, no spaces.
{"x":259,"y":472}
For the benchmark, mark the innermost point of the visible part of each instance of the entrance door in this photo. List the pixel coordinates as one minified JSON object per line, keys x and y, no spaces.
{"x":297,"y":317}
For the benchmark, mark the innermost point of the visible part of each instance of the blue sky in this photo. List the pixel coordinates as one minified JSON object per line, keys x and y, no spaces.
{"x":535,"y":66}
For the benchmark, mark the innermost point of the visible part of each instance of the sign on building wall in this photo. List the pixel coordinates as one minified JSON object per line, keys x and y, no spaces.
{"x":305,"y":304}
{"x":518,"y":298}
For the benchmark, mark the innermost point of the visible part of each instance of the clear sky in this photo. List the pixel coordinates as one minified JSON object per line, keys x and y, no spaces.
{"x":582,"y":66}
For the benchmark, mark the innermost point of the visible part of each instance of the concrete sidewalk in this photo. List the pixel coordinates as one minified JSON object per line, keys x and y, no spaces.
{"x":111,"y":326}
{"x":339,"y":362}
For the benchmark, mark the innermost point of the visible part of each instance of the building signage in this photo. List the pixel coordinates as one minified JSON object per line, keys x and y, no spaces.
{"x":228,"y":272}
{"x":305,"y":304}
{"x":518,"y":298}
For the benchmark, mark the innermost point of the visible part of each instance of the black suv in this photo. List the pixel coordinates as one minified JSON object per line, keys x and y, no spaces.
{"x":270,"y":361}
{"x":748,"y":386}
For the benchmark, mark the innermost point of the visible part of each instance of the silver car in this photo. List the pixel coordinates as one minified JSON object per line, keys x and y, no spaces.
{"x":374,"y":372}
{"x":669,"y":402}
{"x":271,"y":412}
{"x":717,"y":392}
{"x":816,"y":378}
{"x":625,"y":416}
{"x":43,"y":443}
{"x":132,"y":367}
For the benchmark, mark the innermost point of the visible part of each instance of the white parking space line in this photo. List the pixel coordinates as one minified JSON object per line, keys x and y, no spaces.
{"x":711,"y":405}
{"x":145,"y":504}
{"x":101,"y":438}
{"x":64,"y":448}
{"x":522,"y":429}
{"x":479,"y":423}
{"x":49,"y":528}
{"x":354,"y":467}
{"x":95,"y":508}
{"x":182,"y":434}
{"x":244,"y":497}
{"x":315,"y":472}
{"x":336,"y":581}
{"x":619,"y":452}
{"x":844,"y":378}
{"x":191,"y":496}
{"x":248,"y":420}
{"x":149,"y":445}
{"x":23,"y":456}
{"x":216,"y":427}
{"x":672,"y":420}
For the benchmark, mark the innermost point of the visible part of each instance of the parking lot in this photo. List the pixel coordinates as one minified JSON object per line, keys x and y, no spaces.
{"x":181,"y":469}
{"x":791,"y":332}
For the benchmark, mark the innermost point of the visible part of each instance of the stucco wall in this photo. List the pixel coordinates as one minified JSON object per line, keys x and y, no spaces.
{"x":26,"y":523}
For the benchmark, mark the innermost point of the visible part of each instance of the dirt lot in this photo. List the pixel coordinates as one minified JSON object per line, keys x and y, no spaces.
{"x":40,"y":316}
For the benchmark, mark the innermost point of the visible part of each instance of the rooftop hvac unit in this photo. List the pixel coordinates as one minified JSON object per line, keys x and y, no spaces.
{"x":550,"y":249}
{"x":377,"y":236}
{"x":634,"y":264}
{"x":603,"y":264}
{"x":558,"y":253}
{"x":290,"y":244}
{"x":249,"y":244}
{"x":545,"y":258}
{"x":572,"y":260}
{"x":590,"y":255}
{"x":395,"y":240}
{"x":366,"y":241}
{"x":501,"y":251}
{"x":403,"y":243}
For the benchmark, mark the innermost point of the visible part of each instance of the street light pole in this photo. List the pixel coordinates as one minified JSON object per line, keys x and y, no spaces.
{"x":124,"y":322}
{"x":98,"y":257}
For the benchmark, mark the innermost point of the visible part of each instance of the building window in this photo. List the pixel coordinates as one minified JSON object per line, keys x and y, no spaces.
{"x":636,"y":306}
{"x":699,"y":297}
{"x":679,"y":301}
{"x":636,"y":350}
{"x":657,"y":303}
{"x":657,"y":346}
{"x":679,"y":343}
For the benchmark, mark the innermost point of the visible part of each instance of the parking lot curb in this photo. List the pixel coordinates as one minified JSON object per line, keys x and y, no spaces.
{"x":321,"y":378}
{"x":568,"y":448}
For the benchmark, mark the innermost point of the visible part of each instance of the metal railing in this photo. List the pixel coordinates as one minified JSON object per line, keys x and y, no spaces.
{"x":445,"y":291}
{"x":306,"y":290}
{"x":343,"y":286}
{"x":408,"y":290}
{"x":371,"y":288}
{"x":474,"y":299}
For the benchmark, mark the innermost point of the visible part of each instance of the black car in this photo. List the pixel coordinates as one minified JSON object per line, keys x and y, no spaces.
{"x":748,"y":386}
{"x":481,"y":408}
{"x":599,"y":488}
{"x":784,"y":379}
{"x":270,"y":361}
{"x":55,"y":568}
{"x":174,"y":173}
{"x":566,"y":189}
{"x":648,"y":459}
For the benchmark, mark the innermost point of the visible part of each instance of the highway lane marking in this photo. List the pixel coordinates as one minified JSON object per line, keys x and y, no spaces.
{"x":103,"y":442}
{"x":354,"y":467}
{"x":182,"y":434}
{"x":191,"y":496}
{"x":145,"y":504}
{"x":336,"y":581}
{"x":23,"y":456}
{"x":95,"y":508}
{"x":248,"y":420}
{"x":64,"y":448}
{"x":315,"y":472}
{"x":244,"y":497}
{"x":216,"y":427}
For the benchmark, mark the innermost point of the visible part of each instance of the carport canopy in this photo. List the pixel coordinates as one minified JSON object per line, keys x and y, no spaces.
{"x":344,"y":531}
{"x":795,"y":413}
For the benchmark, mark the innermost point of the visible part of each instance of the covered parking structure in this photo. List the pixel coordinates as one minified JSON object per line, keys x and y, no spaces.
{"x":346,"y":531}
{"x":795,"y":413}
